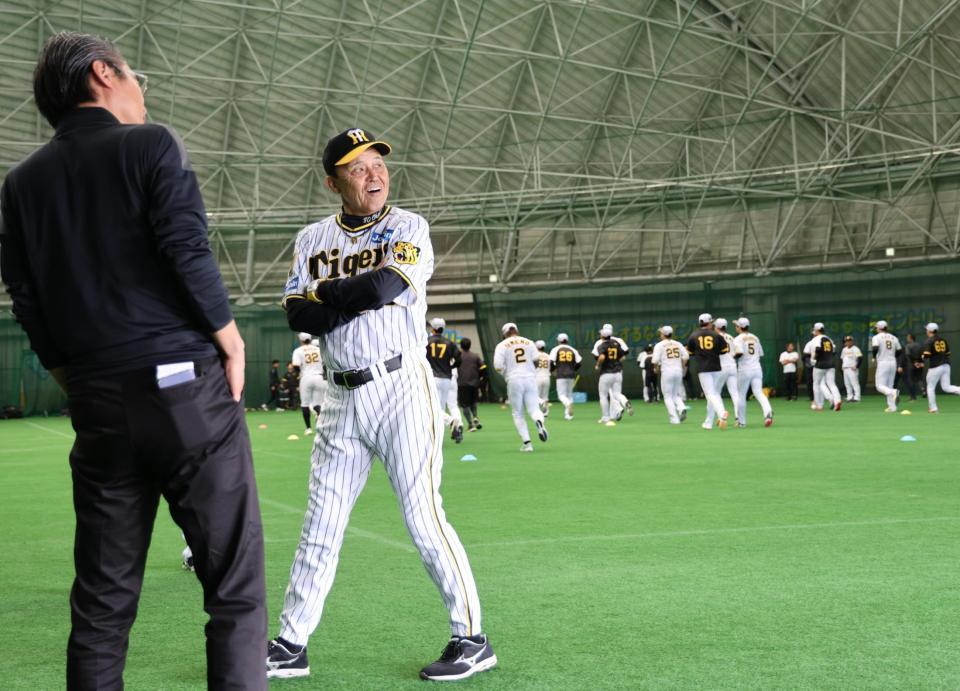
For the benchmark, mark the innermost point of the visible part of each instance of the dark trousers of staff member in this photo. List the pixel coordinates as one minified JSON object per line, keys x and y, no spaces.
{"x":790,"y":385}
{"x":188,"y":443}
{"x":808,"y":381}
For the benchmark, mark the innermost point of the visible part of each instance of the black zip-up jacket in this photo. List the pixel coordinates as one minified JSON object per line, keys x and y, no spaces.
{"x":104,"y":249}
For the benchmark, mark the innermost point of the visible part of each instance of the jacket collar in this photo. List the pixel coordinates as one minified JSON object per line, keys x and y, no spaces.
{"x":82,"y":118}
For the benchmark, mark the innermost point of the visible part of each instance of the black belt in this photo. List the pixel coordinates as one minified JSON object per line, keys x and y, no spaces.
{"x":358,"y":377}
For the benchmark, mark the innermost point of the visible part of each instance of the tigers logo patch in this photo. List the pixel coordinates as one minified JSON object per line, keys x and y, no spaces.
{"x":406,"y":253}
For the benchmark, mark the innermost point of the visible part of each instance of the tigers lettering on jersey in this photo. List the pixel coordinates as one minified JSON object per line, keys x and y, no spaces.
{"x":338,"y":266}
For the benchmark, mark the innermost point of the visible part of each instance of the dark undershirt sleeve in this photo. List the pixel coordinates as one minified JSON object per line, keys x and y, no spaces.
{"x":368,"y":291}
{"x":313,"y":318}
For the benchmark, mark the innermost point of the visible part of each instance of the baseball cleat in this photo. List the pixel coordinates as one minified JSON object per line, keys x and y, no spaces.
{"x":187,"y":563}
{"x":741,"y":425}
{"x":836,"y":406}
{"x":457,"y":434}
{"x":603,"y":420}
{"x":527,"y":447}
{"x":285,"y":660}
{"x":541,"y":430}
{"x":707,"y":425}
{"x":932,"y":411}
{"x":768,"y":420}
{"x":568,"y":410}
{"x":814,"y":406}
{"x":568,"y":417}
{"x":629,"y":407}
{"x":888,"y":409}
{"x":307,"y":431}
{"x":722,"y":422}
{"x":461,"y":658}
{"x":683,"y":415}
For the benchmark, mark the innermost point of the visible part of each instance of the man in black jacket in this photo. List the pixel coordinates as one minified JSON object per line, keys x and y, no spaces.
{"x":104,"y":239}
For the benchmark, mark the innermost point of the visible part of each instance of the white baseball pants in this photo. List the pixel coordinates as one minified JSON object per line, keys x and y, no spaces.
{"x":710,"y":383}
{"x":612,"y":402}
{"x":396,"y":418}
{"x":312,"y":388}
{"x":522,"y":392}
{"x":646,"y":394}
{"x":671,"y":384}
{"x":883,"y":380}
{"x":752,"y":379}
{"x":565,"y":391}
{"x":728,"y":378}
{"x":939,"y":375}
{"x":447,"y":391}
{"x":543,"y":386}
{"x":851,"y":380}
{"x":825,"y":386}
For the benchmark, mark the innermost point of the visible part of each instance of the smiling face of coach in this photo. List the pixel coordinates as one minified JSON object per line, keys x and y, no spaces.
{"x":357,"y":172}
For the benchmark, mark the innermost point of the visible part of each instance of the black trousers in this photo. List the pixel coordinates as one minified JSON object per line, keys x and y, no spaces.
{"x":189,"y":443}
{"x":790,"y":384}
{"x":808,"y":380}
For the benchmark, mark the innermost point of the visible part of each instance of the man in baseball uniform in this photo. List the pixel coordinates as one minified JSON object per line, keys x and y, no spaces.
{"x":306,"y":358}
{"x":543,"y":377}
{"x":358,"y":282}
{"x":610,"y":352}
{"x":750,"y":373}
{"x":728,"y":372}
{"x":515,"y":358}
{"x":851,"y":357}
{"x":670,"y":359}
{"x":936,"y":351}
{"x":564,"y":362}
{"x":822,"y":352}
{"x":706,"y":346}
{"x":443,"y":356}
{"x":886,"y":351}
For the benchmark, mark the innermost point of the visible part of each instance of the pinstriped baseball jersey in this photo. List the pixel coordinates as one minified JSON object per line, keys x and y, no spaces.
{"x":399,"y":241}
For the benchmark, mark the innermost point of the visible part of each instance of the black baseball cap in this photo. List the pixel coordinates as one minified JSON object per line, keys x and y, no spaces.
{"x":347,"y":145}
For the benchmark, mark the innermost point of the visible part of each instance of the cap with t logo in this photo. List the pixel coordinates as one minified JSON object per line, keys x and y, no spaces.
{"x":347,"y":145}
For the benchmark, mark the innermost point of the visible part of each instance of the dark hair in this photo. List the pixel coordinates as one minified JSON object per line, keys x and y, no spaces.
{"x":275,"y":362}
{"x":465,"y":343}
{"x":61,"y":77}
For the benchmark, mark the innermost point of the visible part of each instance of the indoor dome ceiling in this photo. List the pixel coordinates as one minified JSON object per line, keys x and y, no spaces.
{"x":551,"y":141}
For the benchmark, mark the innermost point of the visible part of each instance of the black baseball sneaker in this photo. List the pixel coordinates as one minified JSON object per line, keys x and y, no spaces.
{"x":463,"y":657}
{"x":541,"y":431}
{"x":285,"y":660}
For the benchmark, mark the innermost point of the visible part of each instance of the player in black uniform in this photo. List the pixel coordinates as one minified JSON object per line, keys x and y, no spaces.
{"x":610,"y":351}
{"x":443,"y":356}
{"x":822,"y":351}
{"x":705,"y":347}
{"x":936,"y":351}
{"x":564,"y":363}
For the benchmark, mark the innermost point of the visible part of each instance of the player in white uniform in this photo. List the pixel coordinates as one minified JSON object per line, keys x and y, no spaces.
{"x":851,"y":357}
{"x":728,"y":373}
{"x":515,"y":358}
{"x":750,"y":373}
{"x":641,"y":363}
{"x":886,"y":349}
{"x":358,"y":281}
{"x":565,"y":360}
{"x":822,"y":351}
{"x":670,"y":358}
{"x":312,"y":384}
{"x":543,"y":377}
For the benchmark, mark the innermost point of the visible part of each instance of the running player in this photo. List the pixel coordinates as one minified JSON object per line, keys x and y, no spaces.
{"x":750,"y":373}
{"x":670,"y":359}
{"x":358,"y":281}
{"x":705,"y":347}
{"x":936,"y":351}
{"x":443,"y":356}
{"x":306,"y":358}
{"x":564,"y":362}
{"x":728,"y":372}
{"x":610,"y":351}
{"x":886,"y":350}
{"x":851,"y":357}
{"x":543,"y":377}
{"x":515,"y":358}
{"x":822,"y":351}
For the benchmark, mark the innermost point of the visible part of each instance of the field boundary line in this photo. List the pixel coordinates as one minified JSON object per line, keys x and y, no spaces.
{"x":712,"y":531}
{"x":47,"y":429}
{"x":359,"y":532}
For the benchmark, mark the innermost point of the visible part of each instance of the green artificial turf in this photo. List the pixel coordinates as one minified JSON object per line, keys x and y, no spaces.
{"x":822,"y":553}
